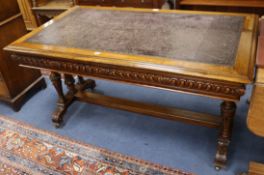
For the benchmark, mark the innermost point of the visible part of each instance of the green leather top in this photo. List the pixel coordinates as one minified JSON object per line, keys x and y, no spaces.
{"x":209,"y":39}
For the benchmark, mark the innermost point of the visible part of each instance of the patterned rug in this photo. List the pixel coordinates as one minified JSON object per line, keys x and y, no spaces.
{"x":26,"y":150}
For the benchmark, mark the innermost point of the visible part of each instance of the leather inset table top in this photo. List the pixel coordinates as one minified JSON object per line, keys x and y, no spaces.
{"x":205,"y":38}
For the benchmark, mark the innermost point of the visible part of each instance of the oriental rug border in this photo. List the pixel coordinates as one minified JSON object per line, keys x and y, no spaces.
{"x":27,"y":150}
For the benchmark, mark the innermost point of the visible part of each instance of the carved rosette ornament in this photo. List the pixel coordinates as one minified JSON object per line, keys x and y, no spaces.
{"x":140,"y":76}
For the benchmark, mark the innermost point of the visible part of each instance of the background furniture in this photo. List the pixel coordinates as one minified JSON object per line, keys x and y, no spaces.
{"x":28,"y":15}
{"x":15,"y":81}
{"x":47,"y":9}
{"x":248,"y":6}
{"x":256,"y":111}
{"x":124,"y":3}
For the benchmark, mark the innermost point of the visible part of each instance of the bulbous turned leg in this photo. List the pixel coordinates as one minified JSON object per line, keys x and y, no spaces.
{"x":228,"y":109}
{"x":65,"y":101}
{"x":80,"y":79}
{"x":57,"y":115}
{"x":70,"y":83}
{"x":85,"y":84}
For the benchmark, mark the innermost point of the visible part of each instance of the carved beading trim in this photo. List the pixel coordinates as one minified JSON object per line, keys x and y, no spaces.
{"x":159,"y":79}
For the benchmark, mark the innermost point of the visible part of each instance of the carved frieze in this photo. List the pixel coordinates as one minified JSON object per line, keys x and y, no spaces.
{"x":153,"y":78}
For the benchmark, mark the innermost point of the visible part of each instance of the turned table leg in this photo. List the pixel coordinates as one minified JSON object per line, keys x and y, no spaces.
{"x":64,"y":100}
{"x":57,"y":115}
{"x":85,"y":84}
{"x":228,"y":110}
{"x":80,"y":79}
{"x":70,"y":83}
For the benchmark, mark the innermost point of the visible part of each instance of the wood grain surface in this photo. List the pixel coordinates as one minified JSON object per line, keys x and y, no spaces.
{"x":256,"y":168}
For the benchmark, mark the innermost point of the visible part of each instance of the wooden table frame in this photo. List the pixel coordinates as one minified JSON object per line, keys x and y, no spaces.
{"x":216,"y":81}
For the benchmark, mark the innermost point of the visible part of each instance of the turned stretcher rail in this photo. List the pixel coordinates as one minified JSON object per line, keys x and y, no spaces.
{"x":151,"y":109}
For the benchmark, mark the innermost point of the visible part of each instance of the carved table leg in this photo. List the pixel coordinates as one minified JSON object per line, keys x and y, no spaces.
{"x":228,"y":110}
{"x":81,"y":80}
{"x":70,"y":82}
{"x":57,"y":115}
{"x":64,"y":100}
{"x":85,"y":84}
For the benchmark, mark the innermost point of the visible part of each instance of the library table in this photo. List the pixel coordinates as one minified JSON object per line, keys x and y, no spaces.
{"x":200,"y":53}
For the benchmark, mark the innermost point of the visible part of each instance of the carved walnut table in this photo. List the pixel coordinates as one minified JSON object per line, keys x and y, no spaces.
{"x":199,"y":53}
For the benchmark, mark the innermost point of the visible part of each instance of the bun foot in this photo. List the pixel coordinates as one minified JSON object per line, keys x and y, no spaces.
{"x":57,"y":125}
{"x":218,"y":168}
{"x":57,"y":117}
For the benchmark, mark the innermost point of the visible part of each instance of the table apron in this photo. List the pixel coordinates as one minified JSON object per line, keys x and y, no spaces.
{"x":146,"y":77}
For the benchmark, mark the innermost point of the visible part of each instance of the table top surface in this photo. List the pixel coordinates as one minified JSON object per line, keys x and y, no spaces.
{"x":201,"y":38}
{"x":193,"y":43}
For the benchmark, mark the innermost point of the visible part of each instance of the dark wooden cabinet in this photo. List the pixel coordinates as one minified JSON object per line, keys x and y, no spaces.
{"x":44,"y":10}
{"x":244,"y":6}
{"x":27,"y":13}
{"x":15,"y":82}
